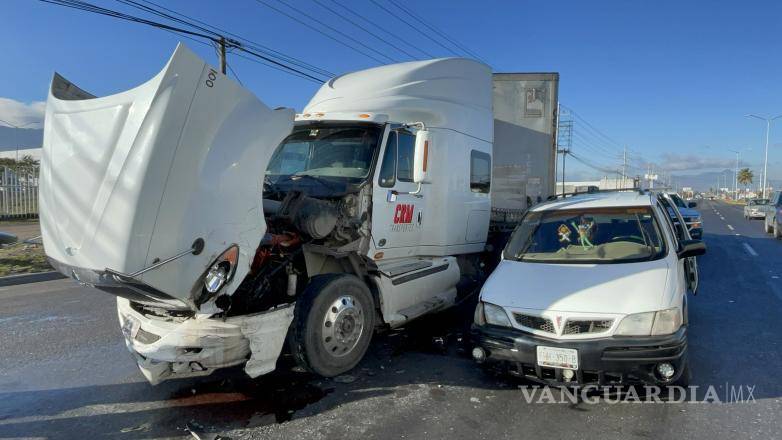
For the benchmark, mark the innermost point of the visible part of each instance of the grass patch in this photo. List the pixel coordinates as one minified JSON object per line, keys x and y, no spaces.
{"x":23,"y":258}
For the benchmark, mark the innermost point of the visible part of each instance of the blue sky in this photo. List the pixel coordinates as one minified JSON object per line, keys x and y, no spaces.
{"x":670,"y":79}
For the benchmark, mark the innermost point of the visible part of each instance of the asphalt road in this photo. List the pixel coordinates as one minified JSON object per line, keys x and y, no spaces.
{"x":64,"y":372}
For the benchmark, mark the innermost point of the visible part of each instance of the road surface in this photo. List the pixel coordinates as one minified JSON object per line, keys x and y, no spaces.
{"x":64,"y":372}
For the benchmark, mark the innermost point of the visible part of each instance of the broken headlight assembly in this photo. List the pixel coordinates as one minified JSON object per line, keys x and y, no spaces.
{"x":221,"y":272}
{"x":664,"y":322}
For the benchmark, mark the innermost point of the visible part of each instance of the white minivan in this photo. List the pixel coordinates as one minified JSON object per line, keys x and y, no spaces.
{"x":592,"y":289}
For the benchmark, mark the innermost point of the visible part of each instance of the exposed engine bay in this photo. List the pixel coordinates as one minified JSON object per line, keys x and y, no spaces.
{"x":305,"y":236}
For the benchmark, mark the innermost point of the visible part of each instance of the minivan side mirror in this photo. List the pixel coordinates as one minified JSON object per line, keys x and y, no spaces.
{"x":692,"y":205}
{"x":421,"y":156}
{"x":692,"y":248}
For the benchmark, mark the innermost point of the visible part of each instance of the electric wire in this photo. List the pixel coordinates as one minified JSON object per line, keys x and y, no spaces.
{"x":325,"y":34}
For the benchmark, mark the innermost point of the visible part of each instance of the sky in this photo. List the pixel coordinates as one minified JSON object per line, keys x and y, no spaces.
{"x":670,"y":80}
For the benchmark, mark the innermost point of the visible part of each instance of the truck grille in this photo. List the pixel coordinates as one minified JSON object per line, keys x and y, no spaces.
{"x":535,"y":322}
{"x":587,"y":326}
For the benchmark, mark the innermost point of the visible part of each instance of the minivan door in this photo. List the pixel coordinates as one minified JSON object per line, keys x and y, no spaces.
{"x":691,"y":263}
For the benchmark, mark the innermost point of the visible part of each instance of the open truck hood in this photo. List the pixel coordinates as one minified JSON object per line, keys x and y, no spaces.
{"x":132,"y":179}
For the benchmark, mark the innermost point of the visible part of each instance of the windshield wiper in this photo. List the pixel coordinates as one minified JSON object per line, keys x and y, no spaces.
{"x":320,"y":180}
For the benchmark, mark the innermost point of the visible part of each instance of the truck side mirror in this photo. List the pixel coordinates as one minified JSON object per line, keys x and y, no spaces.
{"x":421,"y":156}
{"x":692,"y":205}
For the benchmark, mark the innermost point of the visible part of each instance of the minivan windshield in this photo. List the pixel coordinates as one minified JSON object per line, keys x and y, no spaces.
{"x":758,"y":202}
{"x":326,"y":151}
{"x":599,"y":236}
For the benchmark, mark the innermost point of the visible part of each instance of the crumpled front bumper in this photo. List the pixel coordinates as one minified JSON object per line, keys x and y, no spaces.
{"x":179,"y":347}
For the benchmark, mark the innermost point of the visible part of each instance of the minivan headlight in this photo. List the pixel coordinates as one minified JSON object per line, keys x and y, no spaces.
{"x":495,"y":315}
{"x":663,"y":322}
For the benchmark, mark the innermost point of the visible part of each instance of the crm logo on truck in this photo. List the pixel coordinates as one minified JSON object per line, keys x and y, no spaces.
{"x":403,"y":218}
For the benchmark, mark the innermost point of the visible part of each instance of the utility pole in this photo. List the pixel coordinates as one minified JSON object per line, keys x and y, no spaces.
{"x":624,"y":167}
{"x":736,"y":176}
{"x":765,"y":160}
{"x":222,"y":55}
{"x":564,"y":139}
{"x":564,"y":152}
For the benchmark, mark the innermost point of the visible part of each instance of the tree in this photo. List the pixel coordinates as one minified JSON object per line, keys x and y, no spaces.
{"x":745,"y":176}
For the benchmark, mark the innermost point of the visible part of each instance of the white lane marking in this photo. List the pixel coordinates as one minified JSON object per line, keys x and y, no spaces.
{"x":750,"y":250}
{"x":731,"y":228}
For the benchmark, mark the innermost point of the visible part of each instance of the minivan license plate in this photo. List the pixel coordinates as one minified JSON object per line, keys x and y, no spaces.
{"x":554,"y":357}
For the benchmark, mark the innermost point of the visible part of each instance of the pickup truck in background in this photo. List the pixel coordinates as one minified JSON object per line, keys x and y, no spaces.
{"x":692,"y":218}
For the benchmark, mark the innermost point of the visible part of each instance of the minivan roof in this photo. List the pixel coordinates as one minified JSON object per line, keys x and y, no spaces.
{"x":598,"y":200}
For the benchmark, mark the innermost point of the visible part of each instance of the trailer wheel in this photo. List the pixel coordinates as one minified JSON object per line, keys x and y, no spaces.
{"x":333,"y":324}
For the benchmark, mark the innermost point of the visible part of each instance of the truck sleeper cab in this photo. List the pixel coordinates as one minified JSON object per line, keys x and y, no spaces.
{"x":591,"y":290}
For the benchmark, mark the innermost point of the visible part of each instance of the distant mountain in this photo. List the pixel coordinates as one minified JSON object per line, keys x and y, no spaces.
{"x":11,"y":138}
{"x":708,"y":180}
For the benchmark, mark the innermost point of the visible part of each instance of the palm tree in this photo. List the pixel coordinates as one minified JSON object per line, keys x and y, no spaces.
{"x":745,"y":177}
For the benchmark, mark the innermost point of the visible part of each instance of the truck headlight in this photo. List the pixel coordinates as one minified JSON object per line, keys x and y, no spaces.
{"x":663,"y":322}
{"x":221,"y":271}
{"x":495,"y":315}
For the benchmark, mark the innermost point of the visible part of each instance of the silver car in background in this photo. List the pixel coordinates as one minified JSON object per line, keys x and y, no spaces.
{"x":754,"y":209}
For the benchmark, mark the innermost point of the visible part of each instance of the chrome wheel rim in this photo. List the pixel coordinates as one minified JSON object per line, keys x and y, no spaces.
{"x":343,"y":326}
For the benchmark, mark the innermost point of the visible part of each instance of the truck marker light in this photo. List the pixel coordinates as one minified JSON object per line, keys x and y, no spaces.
{"x":364,"y":115}
{"x":378,"y":256}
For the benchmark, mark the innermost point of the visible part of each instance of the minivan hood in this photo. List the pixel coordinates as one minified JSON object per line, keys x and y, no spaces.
{"x":586,"y":288}
{"x":135,"y":178}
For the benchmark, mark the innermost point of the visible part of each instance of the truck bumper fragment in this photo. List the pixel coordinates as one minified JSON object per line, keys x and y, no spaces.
{"x":171,"y":348}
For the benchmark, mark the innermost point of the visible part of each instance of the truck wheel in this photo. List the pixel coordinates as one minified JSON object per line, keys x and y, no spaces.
{"x":777,"y":231}
{"x":333,"y":324}
{"x":767,"y":227}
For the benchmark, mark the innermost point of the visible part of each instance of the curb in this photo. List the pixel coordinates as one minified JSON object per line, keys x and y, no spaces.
{"x":26,"y":278}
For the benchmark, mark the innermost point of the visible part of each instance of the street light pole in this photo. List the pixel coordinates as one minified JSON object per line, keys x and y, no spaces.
{"x":765,"y":160}
{"x":736,"y":176}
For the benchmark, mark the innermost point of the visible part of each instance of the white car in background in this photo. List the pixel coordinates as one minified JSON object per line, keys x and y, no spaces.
{"x":592,"y":289}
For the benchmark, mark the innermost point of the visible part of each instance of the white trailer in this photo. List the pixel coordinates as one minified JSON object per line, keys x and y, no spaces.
{"x":374,"y":209}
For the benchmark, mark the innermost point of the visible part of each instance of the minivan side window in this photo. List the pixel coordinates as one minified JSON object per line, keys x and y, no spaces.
{"x":480,"y":172}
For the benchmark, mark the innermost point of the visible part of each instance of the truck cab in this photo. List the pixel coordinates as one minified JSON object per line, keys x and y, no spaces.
{"x":231,"y":232}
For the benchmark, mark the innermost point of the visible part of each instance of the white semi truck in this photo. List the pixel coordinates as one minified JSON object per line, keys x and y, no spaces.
{"x":232,"y":233}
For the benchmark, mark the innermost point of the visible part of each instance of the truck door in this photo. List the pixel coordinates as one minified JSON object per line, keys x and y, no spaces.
{"x":397,"y":215}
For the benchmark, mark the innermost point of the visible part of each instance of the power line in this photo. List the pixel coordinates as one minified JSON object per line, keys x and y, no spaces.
{"x":361,"y":17}
{"x":247,"y":42}
{"x":211,"y":36}
{"x":378,"y":37}
{"x":390,"y":12}
{"x":437,"y":31}
{"x":329,"y":36}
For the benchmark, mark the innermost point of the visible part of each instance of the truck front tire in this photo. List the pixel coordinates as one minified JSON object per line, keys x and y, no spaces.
{"x":333,"y":324}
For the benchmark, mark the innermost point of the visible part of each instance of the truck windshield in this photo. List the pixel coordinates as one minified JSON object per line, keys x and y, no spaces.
{"x":326,"y":151}
{"x":598,"y":236}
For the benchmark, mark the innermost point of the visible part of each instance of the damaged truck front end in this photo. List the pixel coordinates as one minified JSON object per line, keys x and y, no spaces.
{"x":154,"y":195}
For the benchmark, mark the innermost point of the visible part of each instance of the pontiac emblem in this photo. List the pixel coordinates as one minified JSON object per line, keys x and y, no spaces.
{"x":559,"y":322}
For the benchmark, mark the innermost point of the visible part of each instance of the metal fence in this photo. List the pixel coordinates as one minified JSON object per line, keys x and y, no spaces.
{"x":18,"y":192}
